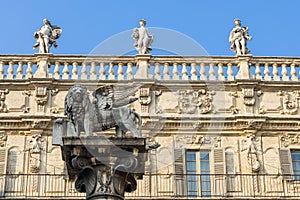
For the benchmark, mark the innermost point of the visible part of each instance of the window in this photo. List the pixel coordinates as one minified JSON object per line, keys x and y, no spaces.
{"x":296,"y":163}
{"x":229,"y":163}
{"x":198,"y":173}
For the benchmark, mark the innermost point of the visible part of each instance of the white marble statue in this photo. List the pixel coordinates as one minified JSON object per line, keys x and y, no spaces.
{"x":143,"y":40}
{"x":238,"y":38}
{"x":46,"y":36}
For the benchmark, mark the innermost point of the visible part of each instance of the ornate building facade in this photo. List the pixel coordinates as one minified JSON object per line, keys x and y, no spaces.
{"x":228,"y":126}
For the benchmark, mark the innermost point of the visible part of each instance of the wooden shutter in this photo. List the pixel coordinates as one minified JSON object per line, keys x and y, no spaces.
{"x":179,"y":172}
{"x":3,"y":161}
{"x":220,"y":186}
{"x":219,"y":164}
{"x":286,"y":163}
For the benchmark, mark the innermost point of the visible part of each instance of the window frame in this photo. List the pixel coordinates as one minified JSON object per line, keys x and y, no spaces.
{"x":199,"y":179}
{"x":296,"y":172}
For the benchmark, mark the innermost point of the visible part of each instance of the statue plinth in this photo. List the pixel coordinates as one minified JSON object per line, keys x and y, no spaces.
{"x":105,"y":167}
{"x":42,"y":65}
{"x":142,"y":65}
{"x":244,"y":72}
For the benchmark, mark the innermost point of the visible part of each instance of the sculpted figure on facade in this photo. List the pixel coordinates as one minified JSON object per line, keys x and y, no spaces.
{"x":250,"y":146}
{"x":46,"y":36}
{"x":107,"y":110}
{"x":143,"y":40}
{"x":238,"y":38}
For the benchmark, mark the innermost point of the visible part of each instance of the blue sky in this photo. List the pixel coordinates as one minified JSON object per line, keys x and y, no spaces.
{"x":274,"y":25}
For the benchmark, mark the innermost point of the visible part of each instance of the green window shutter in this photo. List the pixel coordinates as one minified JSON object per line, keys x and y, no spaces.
{"x":286,"y":163}
{"x":179,"y":172}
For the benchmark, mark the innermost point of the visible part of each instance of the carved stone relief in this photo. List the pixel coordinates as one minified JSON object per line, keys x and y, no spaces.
{"x":190,"y":101}
{"x":251,"y":145}
{"x":289,"y":102}
{"x":145,"y":99}
{"x":54,"y":109}
{"x":41,"y":98}
{"x":3,"y":139}
{"x":288,"y":139}
{"x":35,"y":146}
{"x":249,"y":96}
{"x":233,"y":109}
{"x":26,"y":107}
{"x":211,"y":141}
{"x":3,"y":106}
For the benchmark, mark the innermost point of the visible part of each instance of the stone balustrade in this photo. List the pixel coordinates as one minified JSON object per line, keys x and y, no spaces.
{"x":193,"y":68}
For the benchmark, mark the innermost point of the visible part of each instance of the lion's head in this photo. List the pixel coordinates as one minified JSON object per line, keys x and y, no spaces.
{"x":76,"y":102}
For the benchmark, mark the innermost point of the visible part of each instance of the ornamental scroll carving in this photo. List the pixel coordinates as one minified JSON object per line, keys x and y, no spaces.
{"x":289,"y":102}
{"x":214,"y":141}
{"x":190,"y":101}
{"x":289,"y":139}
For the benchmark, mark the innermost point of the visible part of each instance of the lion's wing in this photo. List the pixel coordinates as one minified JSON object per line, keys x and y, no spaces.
{"x":110,"y":96}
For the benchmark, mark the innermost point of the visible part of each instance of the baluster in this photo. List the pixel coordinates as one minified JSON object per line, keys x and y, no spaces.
{"x":257,"y":72}
{"x":267,"y":76}
{"x":275,"y":72}
{"x":102,"y":71}
{"x":57,"y":70}
{"x":75,"y":71}
{"x":129,"y":71}
{"x":84,"y":75}
{"x":93,"y":72}
{"x":221,"y":76}
{"x":65,"y":71}
{"x":166,"y":75}
{"x":293,"y":72}
{"x":10,"y":70}
{"x":202,"y":72}
{"x":284,"y":72}
{"x":194,"y":72}
{"x":175,"y":72}
{"x":111,"y":72}
{"x":157,"y":71}
{"x":120,"y":71}
{"x":20,"y":70}
{"x":211,"y":72}
{"x":29,"y":70}
{"x":230,"y":72}
{"x":1,"y":70}
{"x":184,"y":72}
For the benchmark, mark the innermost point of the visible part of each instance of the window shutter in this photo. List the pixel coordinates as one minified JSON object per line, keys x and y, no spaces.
{"x":219,"y":164}
{"x":3,"y":161}
{"x":286,"y":163}
{"x":220,"y":186}
{"x":179,"y":171}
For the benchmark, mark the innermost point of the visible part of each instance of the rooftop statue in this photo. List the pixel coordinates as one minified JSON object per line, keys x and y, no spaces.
{"x":238,"y":38}
{"x":143,"y":40}
{"x":46,"y":36}
{"x":108,"y":110}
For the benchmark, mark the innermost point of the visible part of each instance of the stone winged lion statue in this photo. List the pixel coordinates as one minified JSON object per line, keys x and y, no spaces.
{"x":107,"y":110}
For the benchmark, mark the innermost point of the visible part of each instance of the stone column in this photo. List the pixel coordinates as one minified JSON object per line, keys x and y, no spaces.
{"x":244,"y":72}
{"x":42,"y":65}
{"x":142,"y":65}
{"x":105,"y":167}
